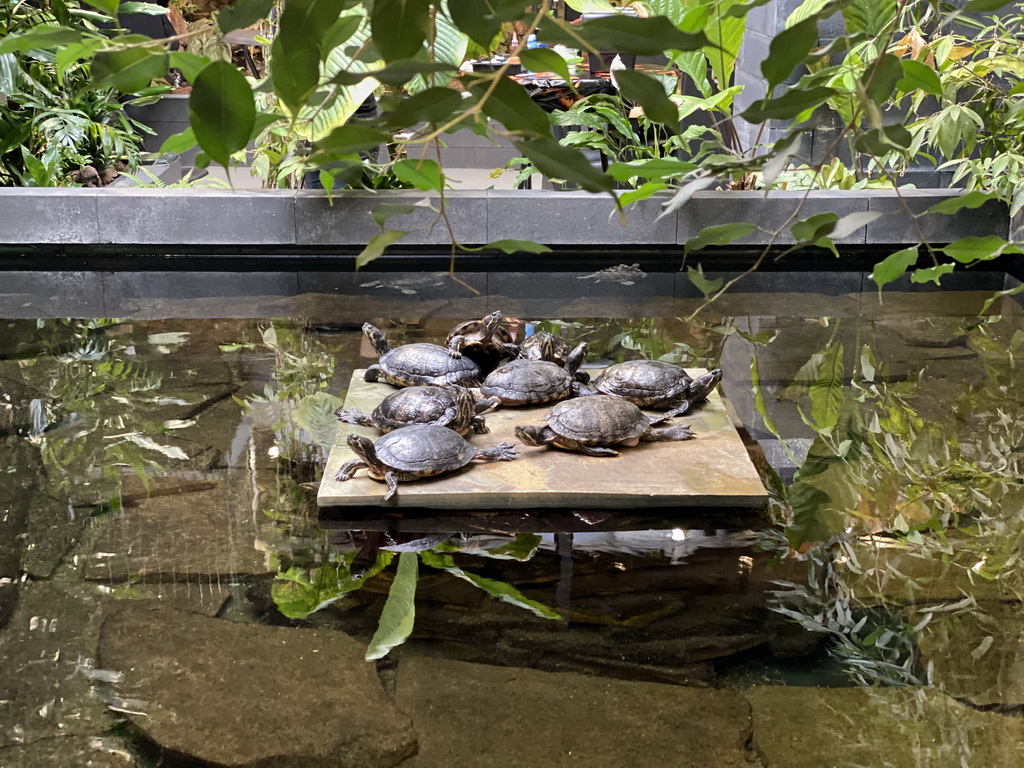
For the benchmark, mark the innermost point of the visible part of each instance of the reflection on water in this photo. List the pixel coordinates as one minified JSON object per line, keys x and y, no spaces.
{"x":169,"y":591}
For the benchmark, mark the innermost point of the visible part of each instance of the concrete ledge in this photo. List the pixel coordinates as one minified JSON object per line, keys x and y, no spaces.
{"x":59,"y":220}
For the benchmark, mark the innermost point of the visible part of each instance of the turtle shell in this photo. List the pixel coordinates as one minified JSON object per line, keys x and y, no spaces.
{"x":424,"y":449}
{"x":527,"y":381}
{"x":428,"y":364}
{"x":422,"y":405}
{"x":597,"y":420}
{"x":533,"y":348}
{"x":644,"y":382}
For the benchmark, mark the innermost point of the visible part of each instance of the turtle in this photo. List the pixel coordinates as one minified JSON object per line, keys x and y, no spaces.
{"x":449,"y":406}
{"x":486,"y":341}
{"x":416,"y":364}
{"x":419,"y":450}
{"x":554,"y":349}
{"x":525,"y":382}
{"x":592,"y":424}
{"x":656,"y":384}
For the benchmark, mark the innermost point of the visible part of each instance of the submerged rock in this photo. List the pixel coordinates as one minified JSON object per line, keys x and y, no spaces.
{"x":895,"y":727}
{"x":473,"y":714}
{"x":77,"y":751}
{"x":251,"y":695}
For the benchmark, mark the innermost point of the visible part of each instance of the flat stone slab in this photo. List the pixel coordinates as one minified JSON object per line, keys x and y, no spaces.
{"x":479,"y":715}
{"x":798,"y":727}
{"x":712,"y":470}
{"x":236,"y":694}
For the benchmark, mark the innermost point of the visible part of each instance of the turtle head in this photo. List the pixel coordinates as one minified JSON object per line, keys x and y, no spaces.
{"x":701,"y":387}
{"x":531,"y":435}
{"x":363,"y":448}
{"x":576,"y":358}
{"x":377,"y":340}
{"x":489,"y":323}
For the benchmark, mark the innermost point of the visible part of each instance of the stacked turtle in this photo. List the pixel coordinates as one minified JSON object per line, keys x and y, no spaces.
{"x":446,"y":390}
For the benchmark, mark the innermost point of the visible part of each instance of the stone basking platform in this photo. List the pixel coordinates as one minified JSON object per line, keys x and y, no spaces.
{"x":712,"y":470}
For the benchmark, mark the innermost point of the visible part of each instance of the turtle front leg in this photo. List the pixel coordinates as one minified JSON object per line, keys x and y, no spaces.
{"x":372,"y":373}
{"x":353,"y":416}
{"x":392,"y":480}
{"x":348,"y":469}
{"x":679,"y":410}
{"x":500,"y":452}
{"x":455,"y":347}
{"x":668,"y":433}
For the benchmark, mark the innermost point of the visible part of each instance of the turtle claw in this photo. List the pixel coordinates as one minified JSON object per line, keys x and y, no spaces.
{"x":500,"y":452}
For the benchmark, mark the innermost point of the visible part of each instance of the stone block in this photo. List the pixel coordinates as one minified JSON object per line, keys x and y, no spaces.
{"x":195,"y":217}
{"x":574,"y":218}
{"x":897,"y":227}
{"x":53,"y":216}
{"x":347,"y":221}
{"x":837,"y":284}
{"x":190,"y":294}
{"x":203,"y":686}
{"x":86,"y":751}
{"x":52,"y":294}
{"x":521,"y":718}
{"x":767,"y":212}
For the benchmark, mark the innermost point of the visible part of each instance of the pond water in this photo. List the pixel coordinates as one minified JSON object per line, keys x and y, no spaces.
{"x":171,"y":595}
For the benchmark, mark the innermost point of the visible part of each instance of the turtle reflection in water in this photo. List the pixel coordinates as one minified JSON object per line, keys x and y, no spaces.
{"x":592,"y":424}
{"x":450,"y":406}
{"x":413,"y":452}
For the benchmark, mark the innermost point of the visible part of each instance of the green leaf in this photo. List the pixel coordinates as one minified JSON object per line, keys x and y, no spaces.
{"x":973,"y":199}
{"x":243,"y":13}
{"x":516,"y":246}
{"x":384,"y":211}
{"x":658,"y":168}
{"x":558,"y":162}
{"x":399,"y":614}
{"x":643,"y":192}
{"x":339,"y":33}
{"x":482,"y":19}
{"x":430,"y":106}
{"x":880,"y":77}
{"x":148,"y":9}
{"x":422,"y":174}
{"x":971,"y":249}
{"x":717,"y":234}
{"x":109,"y":7}
{"x":522,"y":548}
{"x":705,"y":286}
{"x":985,"y":5}
{"x":222,"y":111}
{"x":919,"y":76}
{"x":127,"y":70}
{"x":510,"y":105}
{"x":448,"y":46}
{"x":787,"y":106}
{"x":646,"y":37}
{"x":870,"y":17}
{"x":396,"y":73}
{"x":649,"y":94}
{"x":893,"y":266}
{"x":931,"y":274}
{"x":850,"y":223}
{"x":9,"y":71}
{"x":189,"y":64}
{"x":296,"y":72}
{"x":813,"y":228}
{"x":297,"y":593}
{"x":682,"y":197}
{"x":39,"y":38}
{"x":400,"y":27}
{"x":827,"y":390}
{"x":497,"y":589}
{"x":67,"y":55}
{"x":882,"y":141}
{"x":350,"y":139}
{"x":762,"y":409}
{"x":179,"y":142}
{"x":545,"y":60}
{"x":788,"y":50}
{"x":998,"y":295}
{"x":805,"y":10}
{"x":375,"y":248}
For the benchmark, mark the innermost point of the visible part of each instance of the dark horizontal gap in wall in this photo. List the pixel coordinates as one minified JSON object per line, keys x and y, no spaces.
{"x":427,"y":259}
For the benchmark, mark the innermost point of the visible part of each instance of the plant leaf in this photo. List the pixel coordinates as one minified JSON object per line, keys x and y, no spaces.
{"x":516,"y":246}
{"x":399,"y":27}
{"x":243,"y":13}
{"x":717,"y":234}
{"x":314,"y":414}
{"x":376,"y":246}
{"x":788,"y":49}
{"x":510,"y":105}
{"x":646,"y":37}
{"x":827,"y":390}
{"x":222,"y":111}
{"x":701,"y":283}
{"x":918,"y":75}
{"x":351,"y":138}
{"x":893,"y":266}
{"x":497,"y":589}
{"x":558,"y":162}
{"x":931,"y":274}
{"x":399,"y":614}
{"x":545,"y":60}
{"x":971,"y":249}
{"x":682,"y":197}
{"x":973,"y":199}
{"x":658,"y":168}
{"x":787,"y":106}
{"x":422,"y":174}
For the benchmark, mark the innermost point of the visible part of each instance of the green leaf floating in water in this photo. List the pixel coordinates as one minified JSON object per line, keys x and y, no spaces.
{"x":399,"y":614}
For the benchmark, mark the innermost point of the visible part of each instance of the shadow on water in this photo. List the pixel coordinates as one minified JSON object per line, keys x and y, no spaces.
{"x":168,"y":589}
